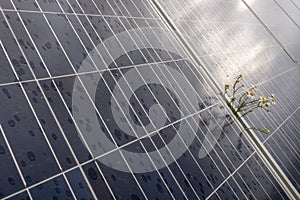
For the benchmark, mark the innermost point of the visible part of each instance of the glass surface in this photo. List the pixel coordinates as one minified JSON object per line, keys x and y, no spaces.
{"x":234,"y":37}
{"x":99,"y":100}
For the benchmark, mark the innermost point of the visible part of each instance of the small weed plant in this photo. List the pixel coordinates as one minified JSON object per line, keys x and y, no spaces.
{"x":243,"y":102}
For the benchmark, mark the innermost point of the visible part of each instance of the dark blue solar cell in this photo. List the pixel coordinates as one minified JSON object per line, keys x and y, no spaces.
{"x":50,"y":6}
{"x":17,"y":59}
{"x":88,"y":7}
{"x":6,"y":73}
{"x":6,"y":4}
{"x":35,"y":154}
{"x":104,"y":7}
{"x":26,"y":5}
{"x":56,"y":188}
{"x":11,"y":181}
{"x":96,"y":181}
{"x":47,"y":44}
{"x":79,"y":185}
{"x":21,"y":196}
{"x":63,"y":114}
{"x":27,"y":45}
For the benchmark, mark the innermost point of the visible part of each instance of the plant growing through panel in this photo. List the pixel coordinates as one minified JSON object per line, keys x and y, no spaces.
{"x":242,"y":102}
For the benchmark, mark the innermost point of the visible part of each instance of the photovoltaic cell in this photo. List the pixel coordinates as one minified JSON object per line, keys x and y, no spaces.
{"x":100,"y":101}
{"x":79,"y":184}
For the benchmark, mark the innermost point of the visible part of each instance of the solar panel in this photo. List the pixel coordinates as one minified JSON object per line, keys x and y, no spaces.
{"x":248,"y":37}
{"x":99,"y":100}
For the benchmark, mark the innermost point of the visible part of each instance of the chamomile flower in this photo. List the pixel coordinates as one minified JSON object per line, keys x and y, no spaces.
{"x":263,"y":100}
{"x":248,"y":101}
{"x":267,"y":131}
{"x":272,"y":99}
{"x":250,"y":93}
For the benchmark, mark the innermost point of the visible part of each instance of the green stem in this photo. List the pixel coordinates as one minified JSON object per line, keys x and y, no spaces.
{"x":241,"y":98}
{"x":251,"y":110}
{"x":254,"y":101}
{"x":266,"y":131}
{"x":234,"y":89}
{"x":238,"y":88}
{"x":242,"y":104}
